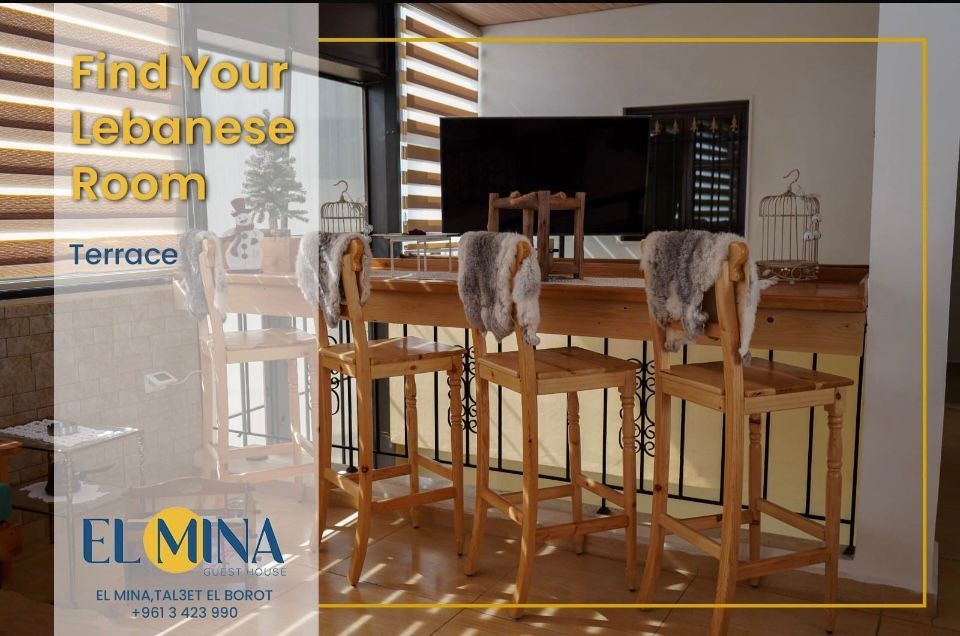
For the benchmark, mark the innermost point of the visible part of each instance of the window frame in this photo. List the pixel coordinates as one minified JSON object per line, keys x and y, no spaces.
{"x":738,"y":108}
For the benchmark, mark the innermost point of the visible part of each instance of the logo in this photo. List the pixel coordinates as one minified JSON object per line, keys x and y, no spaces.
{"x":176,"y":540}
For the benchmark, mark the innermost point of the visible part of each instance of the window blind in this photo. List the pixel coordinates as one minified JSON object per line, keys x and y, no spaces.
{"x":436,"y":80}
{"x":38,"y":218}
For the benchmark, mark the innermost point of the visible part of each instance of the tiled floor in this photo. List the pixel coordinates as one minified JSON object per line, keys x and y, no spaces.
{"x":419,"y":565}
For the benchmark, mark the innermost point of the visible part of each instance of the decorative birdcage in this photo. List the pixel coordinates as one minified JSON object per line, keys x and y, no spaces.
{"x":344,"y":214}
{"x":791,"y":234}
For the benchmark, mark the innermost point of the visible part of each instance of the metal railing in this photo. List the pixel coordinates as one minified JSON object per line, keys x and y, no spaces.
{"x":645,"y":432}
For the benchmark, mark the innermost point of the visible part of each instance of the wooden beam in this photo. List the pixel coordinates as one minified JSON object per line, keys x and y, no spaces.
{"x":790,"y":561}
{"x":681,"y":529}
{"x":343,"y":481}
{"x":421,"y":201}
{"x":435,"y":467}
{"x":791,"y":518}
{"x":417,"y":499}
{"x":421,"y":153}
{"x":575,"y":528}
{"x":600,"y":490}
{"x":389,"y":472}
{"x":418,"y":27}
{"x":413,"y":76}
{"x":444,"y":15}
{"x":421,"y":54}
{"x":500,"y":503}
{"x":417,"y":127}
{"x":421,"y":177}
{"x":416,"y":102}
{"x":553,"y":492}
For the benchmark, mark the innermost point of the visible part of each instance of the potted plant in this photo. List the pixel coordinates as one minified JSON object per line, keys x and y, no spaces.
{"x":270,"y":186}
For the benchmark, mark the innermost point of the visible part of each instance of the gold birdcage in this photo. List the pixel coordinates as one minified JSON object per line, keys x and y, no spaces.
{"x":791,"y":234}
{"x":344,"y":214}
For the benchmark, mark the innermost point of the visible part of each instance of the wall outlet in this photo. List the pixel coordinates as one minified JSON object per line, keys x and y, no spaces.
{"x":157,"y":381}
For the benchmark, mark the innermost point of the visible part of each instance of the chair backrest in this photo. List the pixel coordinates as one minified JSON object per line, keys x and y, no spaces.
{"x":524,"y":349}
{"x":720,"y":303}
{"x":351,"y":271}
{"x":213,"y":323}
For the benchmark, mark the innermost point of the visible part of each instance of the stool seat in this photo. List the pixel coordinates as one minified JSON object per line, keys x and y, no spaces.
{"x":262,"y":345}
{"x":392,"y":357}
{"x":760,"y":377}
{"x":272,"y":337}
{"x":556,"y":369}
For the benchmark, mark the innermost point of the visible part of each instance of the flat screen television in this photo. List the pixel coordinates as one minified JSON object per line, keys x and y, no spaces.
{"x":605,"y":157}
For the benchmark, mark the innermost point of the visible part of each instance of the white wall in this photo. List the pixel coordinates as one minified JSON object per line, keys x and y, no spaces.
{"x":889,"y":512}
{"x":812,"y":104}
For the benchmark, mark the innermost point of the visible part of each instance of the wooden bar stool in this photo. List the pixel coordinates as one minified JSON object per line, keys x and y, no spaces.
{"x":219,"y":349}
{"x":738,"y":390}
{"x":530,"y":372}
{"x":543,"y":204}
{"x":374,"y":360}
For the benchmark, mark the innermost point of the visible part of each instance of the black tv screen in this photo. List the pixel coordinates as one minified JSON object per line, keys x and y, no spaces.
{"x":605,"y":157}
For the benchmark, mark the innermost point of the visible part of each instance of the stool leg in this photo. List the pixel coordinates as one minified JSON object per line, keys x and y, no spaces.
{"x":629,"y":478}
{"x":206,"y":397}
{"x":456,"y":451}
{"x":293,"y":394}
{"x":410,"y":404}
{"x":661,"y":489}
{"x":365,"y":478}
{"x":483,"y":475}
{"x":543,"y":233}
{"x":323,"y":423}
{"x":223,"y":420}
{"x":730,"y":528}
{"x":832,"y":514}
{"x":573,"y":437}
{"x":756,"y":466}
{"x":531,"y":469}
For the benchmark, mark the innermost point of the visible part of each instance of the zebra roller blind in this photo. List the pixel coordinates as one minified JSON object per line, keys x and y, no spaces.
{"x":436,"y":80}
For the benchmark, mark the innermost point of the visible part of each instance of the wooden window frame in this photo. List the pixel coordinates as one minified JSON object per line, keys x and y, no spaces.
{"x":738,"y":108}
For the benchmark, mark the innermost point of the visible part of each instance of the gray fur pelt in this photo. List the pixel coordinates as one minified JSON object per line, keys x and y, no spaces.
{"x":318,"y":270}
{"x":483,"y":280}
{"x":680,"y":267}
{"x":191,"y":244}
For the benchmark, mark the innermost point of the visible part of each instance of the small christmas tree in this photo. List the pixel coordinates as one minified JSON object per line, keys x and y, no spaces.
{"x":270,"y":184}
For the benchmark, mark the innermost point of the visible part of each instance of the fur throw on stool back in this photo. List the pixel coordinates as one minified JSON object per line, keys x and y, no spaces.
{"x":681,"y":266}
{"x":318,"y":271}
{"x":483,"y":280}
{"x":191,"y":244}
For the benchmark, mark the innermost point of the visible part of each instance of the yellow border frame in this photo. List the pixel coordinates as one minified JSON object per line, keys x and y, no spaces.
{"x":922,"y":41}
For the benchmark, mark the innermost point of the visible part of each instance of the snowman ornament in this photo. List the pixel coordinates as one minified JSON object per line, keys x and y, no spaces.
{"x":243,"y":243}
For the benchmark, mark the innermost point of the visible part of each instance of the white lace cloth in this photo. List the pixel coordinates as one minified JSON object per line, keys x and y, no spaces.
{"x":87,"y":492}
{"x":38,"y":431}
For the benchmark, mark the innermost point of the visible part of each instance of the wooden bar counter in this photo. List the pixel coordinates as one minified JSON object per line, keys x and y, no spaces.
{"x":823,"y":316}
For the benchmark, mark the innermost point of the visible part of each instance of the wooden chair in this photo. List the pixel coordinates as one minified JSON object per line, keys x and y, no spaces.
{"x":371,"y":360}
{"x":738,"y":391}
{"x":530,"y":373}
{"x":219,"y":349}
{"x":544,"y":204}
{"x":10,"y":533}
{"x":204,"y":497}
